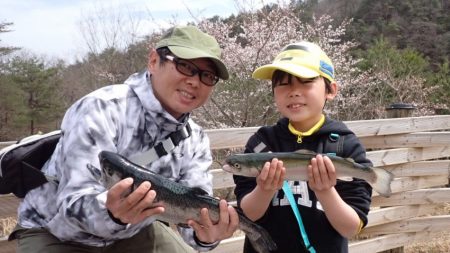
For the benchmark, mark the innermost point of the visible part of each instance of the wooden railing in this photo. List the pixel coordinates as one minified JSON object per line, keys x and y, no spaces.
{"x":416,"y":150}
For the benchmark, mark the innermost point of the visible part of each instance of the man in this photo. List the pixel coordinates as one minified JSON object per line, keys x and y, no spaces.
{"x":76,"y":213}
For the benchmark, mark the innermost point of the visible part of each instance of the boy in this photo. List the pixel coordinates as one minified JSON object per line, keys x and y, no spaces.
{"x":332,"y":210}
{"x":76,"y":213}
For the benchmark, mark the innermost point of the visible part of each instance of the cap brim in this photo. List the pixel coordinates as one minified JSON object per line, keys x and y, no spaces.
{"x":266,"y":71}
{"x":192,"y":53}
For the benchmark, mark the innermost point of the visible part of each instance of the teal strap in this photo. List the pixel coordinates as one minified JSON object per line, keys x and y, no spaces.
{"x":290,"y":197}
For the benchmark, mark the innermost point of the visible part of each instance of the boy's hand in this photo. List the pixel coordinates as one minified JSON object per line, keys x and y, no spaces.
{"x":321,"y":174}
{"x":272,"y":176}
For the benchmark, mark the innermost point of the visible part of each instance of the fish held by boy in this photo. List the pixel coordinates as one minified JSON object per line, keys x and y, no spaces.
{"x":181,"y":203}
{"x":251,"y":164}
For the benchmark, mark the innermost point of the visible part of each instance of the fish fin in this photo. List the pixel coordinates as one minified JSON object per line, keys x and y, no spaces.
{"x":382,"y":183}
{"x":260,"y":239}
{"x":305,"y":152}
{"x":206,"y":197}
{"x":348,"y":179}
{"x":349,"y":159}
{"x":199,"y":191}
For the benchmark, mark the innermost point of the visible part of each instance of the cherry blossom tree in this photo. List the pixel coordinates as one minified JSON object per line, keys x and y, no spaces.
{"x":253,"y":40}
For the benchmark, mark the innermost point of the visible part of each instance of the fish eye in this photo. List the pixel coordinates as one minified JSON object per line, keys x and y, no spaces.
{"x":237,"y":165}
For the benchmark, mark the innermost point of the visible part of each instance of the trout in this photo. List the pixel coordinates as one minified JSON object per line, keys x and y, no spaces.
{"x":251,"y":164}
{"x":181,"y":203}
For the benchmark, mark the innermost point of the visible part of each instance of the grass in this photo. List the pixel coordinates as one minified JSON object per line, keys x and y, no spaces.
{"x":6,"y":226}
{"x":440,"y":243}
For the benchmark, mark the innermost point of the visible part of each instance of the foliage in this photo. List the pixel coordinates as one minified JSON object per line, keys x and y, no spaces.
{"x":32,"y":88}
{"x":420,"y":24}
{"x":10,"y":106}
{"x":399,"y":76}
{"x":254,"y":40}
{"x":5,"y":50}
{"x":110,"y":66}
{"x":441,"y":94}
{"x":403,"y":56}
{"x":10,"y":94}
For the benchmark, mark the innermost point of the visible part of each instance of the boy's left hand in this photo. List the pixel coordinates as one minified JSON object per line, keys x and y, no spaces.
{"x":321,"y":174}
{"x":208,"y":231}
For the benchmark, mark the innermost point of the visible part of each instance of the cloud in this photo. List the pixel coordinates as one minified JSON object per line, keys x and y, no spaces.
{"x":43,"y":29}
{"x":52,"y":27}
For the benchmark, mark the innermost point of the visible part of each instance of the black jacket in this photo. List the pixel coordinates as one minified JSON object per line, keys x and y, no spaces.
{"x":279,"y":219}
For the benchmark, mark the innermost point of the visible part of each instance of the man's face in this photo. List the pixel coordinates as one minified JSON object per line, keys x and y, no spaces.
{"x":179,"y":93}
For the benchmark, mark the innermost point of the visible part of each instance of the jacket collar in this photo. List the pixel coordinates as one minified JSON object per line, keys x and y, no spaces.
{"x":141,"y":85}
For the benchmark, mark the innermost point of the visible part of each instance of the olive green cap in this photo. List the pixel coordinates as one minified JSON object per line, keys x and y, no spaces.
{"x":188,"y":42}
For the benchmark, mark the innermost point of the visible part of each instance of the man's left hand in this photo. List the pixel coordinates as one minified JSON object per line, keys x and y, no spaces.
{"x":209,"y":231}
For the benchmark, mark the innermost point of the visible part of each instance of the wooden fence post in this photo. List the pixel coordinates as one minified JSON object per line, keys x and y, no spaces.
{"x":398,"y":110}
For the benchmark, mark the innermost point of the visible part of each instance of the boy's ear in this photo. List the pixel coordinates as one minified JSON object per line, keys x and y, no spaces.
{"x":152,"y":59}
{"x":333,"y":91}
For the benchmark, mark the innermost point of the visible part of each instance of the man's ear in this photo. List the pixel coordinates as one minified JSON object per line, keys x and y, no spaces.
{"x":153,"y":59}
{"x":333,"y":91}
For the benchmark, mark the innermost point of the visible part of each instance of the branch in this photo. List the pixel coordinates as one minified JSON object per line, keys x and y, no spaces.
{"x":222,"y":111}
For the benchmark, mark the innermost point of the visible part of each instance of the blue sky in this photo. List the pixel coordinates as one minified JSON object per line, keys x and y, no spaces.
{"x":51,"y":27}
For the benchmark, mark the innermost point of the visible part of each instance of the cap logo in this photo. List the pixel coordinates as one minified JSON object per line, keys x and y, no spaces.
{"x":326,"y":68}
{"x":298,"y":47}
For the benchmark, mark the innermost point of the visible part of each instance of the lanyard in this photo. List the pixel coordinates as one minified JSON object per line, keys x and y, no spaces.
{"x":290,"y":197}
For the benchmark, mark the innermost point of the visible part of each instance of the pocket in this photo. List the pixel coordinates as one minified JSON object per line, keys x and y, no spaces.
{"x":21,"y":232}
{"x":16,"y":232}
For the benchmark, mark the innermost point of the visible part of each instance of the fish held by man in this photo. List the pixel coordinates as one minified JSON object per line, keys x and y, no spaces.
{"x":181,"y":203}
{"x":251,"y":164}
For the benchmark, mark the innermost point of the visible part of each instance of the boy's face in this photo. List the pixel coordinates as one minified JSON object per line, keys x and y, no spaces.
{"x":178,"y":93}
{"x":302,"y":100}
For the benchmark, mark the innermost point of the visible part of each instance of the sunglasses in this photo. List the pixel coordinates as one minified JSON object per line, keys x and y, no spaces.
{"x":188,"y":68}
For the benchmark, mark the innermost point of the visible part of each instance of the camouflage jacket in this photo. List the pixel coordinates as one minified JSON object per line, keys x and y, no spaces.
{"x":124,"y":118}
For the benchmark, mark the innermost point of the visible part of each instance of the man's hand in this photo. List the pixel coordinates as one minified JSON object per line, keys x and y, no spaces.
{"x":209,"y":232}
{"x":134,"y":207}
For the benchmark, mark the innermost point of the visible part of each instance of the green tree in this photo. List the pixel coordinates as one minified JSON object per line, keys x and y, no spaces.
{"x":420,"y":24}
{"x":38,"y":85}
{"x":9,"y":105}
{"x":440,"y":96}
{"x":399,"y":74}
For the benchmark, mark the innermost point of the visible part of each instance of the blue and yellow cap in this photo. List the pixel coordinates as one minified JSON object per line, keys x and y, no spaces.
{"x":303,"y":59}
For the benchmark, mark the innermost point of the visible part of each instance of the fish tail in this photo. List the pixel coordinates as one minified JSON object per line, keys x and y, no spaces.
{"x":259,"y":238}
{"x":382,"y":183}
